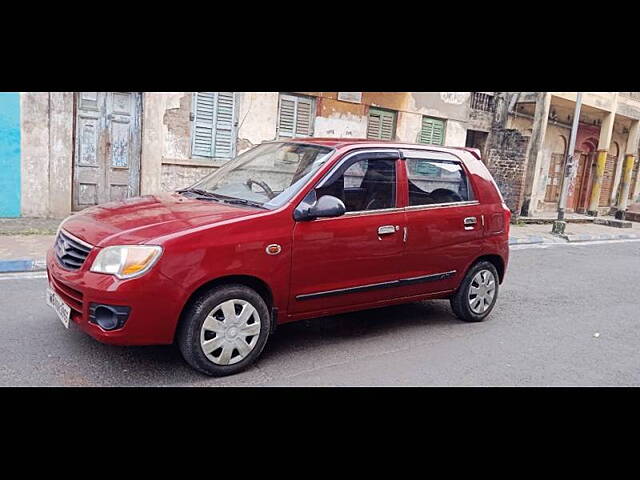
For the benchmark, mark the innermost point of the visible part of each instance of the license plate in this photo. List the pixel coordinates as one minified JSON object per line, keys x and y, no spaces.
{"x":61,"y":308}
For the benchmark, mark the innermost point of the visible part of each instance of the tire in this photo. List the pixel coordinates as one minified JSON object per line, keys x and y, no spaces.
{"x":215,"y":321}
{"x":465,"y":303}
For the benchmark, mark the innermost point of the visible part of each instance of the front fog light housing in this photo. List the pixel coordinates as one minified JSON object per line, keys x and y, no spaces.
{"x":126,"y":261}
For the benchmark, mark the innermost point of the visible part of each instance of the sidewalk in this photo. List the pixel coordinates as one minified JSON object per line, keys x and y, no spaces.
{"x":24,"y":242}
{"x":575,"y":232}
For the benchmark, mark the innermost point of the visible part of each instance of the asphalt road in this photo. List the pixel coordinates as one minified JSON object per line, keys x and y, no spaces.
{"x":566,"y":315}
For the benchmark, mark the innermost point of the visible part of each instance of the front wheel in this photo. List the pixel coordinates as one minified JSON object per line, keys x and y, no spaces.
{"x":477,"y":293}
{"x":224,"y":330}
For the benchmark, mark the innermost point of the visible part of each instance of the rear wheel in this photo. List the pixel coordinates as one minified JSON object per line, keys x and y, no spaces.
{"x":477,"y":293}
{"x":224,"y":330}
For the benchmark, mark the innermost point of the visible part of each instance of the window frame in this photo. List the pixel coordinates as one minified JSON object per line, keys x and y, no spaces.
{"x":445,"y":157}
{"x":352,"y":157}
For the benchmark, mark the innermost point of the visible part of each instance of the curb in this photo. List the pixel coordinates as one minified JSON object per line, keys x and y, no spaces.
{"x":530,"y":239}
{"x":605,"y":236}
{"x":25,"y":265}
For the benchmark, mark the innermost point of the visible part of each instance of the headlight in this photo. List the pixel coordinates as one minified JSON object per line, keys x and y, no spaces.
{"x":126,"y":261}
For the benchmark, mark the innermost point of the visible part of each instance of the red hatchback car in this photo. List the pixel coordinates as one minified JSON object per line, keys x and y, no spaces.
{"x":286,"y":231}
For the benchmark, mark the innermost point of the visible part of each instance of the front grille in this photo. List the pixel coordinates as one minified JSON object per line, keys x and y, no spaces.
{"x":70,"y":253}
{"x":69,"y":295}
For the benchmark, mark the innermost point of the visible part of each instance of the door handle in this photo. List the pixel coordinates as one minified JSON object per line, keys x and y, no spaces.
{"x":387,"y":229}
{"x":469,"y":222}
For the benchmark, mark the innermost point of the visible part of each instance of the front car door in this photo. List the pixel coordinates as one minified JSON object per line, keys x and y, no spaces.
{"x":354,"y":259}
{"x":444,"y":222}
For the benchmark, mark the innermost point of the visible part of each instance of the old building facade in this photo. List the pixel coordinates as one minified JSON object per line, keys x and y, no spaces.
{"x":64,"y":151}
{"x":528,"y":144}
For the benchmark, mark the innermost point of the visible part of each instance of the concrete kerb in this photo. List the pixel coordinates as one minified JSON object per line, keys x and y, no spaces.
{"x":22,"y":265}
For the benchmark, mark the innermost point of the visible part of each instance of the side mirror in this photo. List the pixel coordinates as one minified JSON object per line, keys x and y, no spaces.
{"x":326,"y":206}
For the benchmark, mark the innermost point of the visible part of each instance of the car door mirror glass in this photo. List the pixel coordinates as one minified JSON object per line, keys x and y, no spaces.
{"x":326,"y":206}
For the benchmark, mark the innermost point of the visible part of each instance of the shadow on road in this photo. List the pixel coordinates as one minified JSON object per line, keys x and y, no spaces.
{"x":163,"y":365}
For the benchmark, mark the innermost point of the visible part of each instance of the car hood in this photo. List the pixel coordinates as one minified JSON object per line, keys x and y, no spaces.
{"x":141,"y":219}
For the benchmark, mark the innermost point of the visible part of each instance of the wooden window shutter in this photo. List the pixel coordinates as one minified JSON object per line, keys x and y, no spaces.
{"x":225,"y":118}
{"x":295,"y":116}
{"x":381,"y":124}
{"x":214,"y":124}
{"x":203,"y":131}
{"x":432,"y":131}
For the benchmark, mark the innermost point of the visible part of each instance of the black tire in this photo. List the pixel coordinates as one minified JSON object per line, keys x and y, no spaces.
{"x":460,"y":300}
{"x":189,"y":331}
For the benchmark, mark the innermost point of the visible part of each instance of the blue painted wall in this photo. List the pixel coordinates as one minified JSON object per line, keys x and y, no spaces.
{"x":9,"y":154}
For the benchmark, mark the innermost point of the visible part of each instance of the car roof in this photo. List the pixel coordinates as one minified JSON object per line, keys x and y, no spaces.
{"x":339,"y":143}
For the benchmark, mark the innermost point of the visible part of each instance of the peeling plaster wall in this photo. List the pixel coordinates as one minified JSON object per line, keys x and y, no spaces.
{"x":257,"y":122}
{"x":408,"y":127}
{"x":177,"y":126}
{"x":257,"y":118}
{"x":341,"y":125}
{"x":34,"y":108}
{"x":175,"y":177}
{"x":456,"y":134}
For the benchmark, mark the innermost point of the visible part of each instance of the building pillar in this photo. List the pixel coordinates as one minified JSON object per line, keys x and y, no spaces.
{"x":627,"y":169}
{"x":153,"y":109}
{"x":606,"y":132}
{"x":534,"y":156}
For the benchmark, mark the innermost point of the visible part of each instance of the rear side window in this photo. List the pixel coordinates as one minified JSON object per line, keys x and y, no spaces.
{"x":432,"y":182}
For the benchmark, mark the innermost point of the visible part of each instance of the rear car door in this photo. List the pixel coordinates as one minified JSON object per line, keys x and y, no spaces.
{"x":444,"y":222}
{"x":356,"y":258}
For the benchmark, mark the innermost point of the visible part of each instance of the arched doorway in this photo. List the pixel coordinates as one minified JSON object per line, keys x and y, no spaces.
{"x":609,"y":173}
{"x":585,"y":155}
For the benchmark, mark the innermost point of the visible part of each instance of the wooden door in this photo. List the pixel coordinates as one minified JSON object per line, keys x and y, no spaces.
{"x":107,"y":147}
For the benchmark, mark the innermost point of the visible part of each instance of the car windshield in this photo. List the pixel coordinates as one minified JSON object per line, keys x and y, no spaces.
{"x":267,"y":175}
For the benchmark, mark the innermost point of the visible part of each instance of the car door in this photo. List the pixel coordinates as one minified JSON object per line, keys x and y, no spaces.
{"x":352,"y":259}
{"x":444,"y":222}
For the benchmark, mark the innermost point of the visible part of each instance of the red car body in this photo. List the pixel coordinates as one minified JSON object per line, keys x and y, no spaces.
{"x":206,"y":242}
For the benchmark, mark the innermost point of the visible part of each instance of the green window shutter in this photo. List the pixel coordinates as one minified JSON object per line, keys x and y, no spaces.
{"x":304,"y":120}
{"x":381,"y":124}
{"x":225,"y":119}
{"x":214,"y":124}
{"x":204,"y":111}
{"x":295,"y":116}
{"x":432,"y":131}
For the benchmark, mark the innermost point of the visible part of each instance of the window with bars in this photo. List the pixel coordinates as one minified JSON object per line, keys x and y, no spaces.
{"x":381,"y":124}
{"x":214,"y":124}
{"x":483,"y":101}
{"x":295,"y":116}
{"x":432,"y":131}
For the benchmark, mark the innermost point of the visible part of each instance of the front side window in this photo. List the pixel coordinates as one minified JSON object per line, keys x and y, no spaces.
{"x":368,"y":184}
{"x":436,"y":181}
{"x":266,"y":176}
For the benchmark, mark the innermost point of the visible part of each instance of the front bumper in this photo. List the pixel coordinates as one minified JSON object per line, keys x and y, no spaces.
{"x":155,"y":301}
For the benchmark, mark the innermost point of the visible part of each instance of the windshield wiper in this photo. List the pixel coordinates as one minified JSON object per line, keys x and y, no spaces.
{"x":242,"y":201}
{"x":199,"y":191}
